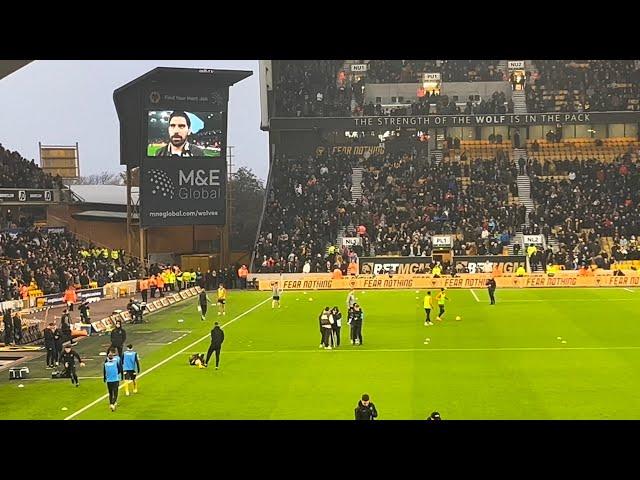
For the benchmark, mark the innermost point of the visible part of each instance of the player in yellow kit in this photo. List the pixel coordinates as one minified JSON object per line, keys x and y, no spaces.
{"x":428,"y":305}
{"x":441,"y":298}
{"x":222,"y":299}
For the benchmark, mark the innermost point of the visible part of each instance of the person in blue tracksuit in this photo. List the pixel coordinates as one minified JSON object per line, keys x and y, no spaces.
{"x":112,"y":373}
{"x":131,"y":367}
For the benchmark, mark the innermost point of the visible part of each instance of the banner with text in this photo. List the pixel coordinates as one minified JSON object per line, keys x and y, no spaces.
{"x":351,"y":241}
{"x":190,"y":191}
{"x":507,"y":119}
{"x":462,"y":281}
{"x":535,"y":239}
{"x":486,"y":264}
{"x":431,"y":77}
{"x":441,"y":241}
{"x":399,"y":265}
{"x":13,"y":195}
{"x":58,"y":298}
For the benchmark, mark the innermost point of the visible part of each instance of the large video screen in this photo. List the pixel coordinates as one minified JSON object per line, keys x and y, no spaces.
{"x":175,"y":133}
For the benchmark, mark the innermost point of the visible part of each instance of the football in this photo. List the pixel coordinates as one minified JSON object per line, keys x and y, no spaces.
{"x":458,"y":317}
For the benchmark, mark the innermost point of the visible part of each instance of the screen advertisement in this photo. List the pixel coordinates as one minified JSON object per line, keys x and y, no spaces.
{"x":184,"y":192}
{"x":184,"y":168}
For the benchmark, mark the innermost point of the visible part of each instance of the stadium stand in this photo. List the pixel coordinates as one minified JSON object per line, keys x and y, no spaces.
{"x":471,"y":189}
{"x":588,"y":206}
{"x":49,"y":262}
{"x":583,"y":85}
{"x":326,"y":88}
{"x":306,"y":204}
{"x":18,"y":172}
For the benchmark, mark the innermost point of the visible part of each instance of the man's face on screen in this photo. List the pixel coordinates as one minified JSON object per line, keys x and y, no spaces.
{"x":178,"y":131}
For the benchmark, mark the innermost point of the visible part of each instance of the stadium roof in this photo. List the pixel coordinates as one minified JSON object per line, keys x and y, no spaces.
{"x":7,"y":67}
{"x":99,"y":215}
{"x":104,"y":194}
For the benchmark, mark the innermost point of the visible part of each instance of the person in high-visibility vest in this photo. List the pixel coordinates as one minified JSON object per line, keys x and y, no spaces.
{"x":114,"y":254}
{"x":179,"y":279}
{"x":160,"y":284}
{"x":144,"y":285}
{"x":520,"y":272}
{"x":165,"y":279}
{"x":172,"y":280}
{"x":153,"y":286}
{"x":70,"y":297}
{"x":352,"y":269}
{"x":337,"y":274}
{"x":437,"y":270}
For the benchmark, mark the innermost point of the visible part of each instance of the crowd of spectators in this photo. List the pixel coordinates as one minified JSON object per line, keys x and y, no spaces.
{"x":18,"y":172}
{"x":307,"y":202}
{"x":591,"y":200}
{"x":406,"y":200}
{"x":322,"y":88}
{"x":590,"y":85}
{"x":409,"y":71}
{"x":433,"y":103}
{"x":53,"y":261}
{"x":316,"y":88}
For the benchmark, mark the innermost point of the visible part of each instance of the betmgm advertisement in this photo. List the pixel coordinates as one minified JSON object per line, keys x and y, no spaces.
{"x":183,"y":171}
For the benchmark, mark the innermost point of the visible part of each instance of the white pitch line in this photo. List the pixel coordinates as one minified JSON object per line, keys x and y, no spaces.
{"x":552,"y":300}
{"x":49,"y":378}
{"x":474,"y":295}
{"x":426,"y":349}
{"x":629,"y":290}
{"x":86,"y":407}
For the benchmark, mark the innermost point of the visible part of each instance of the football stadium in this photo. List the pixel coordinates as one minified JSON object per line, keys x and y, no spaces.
{"x":435,"y":239}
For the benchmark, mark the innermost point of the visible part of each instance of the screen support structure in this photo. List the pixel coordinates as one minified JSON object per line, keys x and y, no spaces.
{"x":225,"y":244}
{"x":194,"y":90}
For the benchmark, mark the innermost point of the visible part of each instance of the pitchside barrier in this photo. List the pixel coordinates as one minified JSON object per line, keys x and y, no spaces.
{"x":364,"y":282}
{"x":108,"y":323}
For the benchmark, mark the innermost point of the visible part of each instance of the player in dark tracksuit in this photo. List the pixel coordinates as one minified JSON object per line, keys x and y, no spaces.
{"x":112,"y":374}
{"x":365,"y":410}
{"x":50,"y":345}
{"x":65,"y":326}
{"x":57,"y":340}
{"x":85,"y":312}
{"x":335,"y":327}
{"x":203,"y":299}
{"x":68,"y":360}
{"x":491,"y":287}
{"x":357,"y":316}
{"x":217,"y":337}
{"x":118,"y":337}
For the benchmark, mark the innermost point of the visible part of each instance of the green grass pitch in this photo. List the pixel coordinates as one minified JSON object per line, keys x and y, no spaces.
{"x":498,"y":362}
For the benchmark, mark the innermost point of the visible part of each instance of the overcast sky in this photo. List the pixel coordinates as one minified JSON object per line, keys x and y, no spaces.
{"x":64,"y":102}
